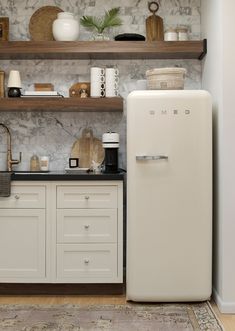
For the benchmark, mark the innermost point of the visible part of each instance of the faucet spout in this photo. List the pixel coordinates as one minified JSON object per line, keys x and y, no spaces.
{"x":10,"y":161}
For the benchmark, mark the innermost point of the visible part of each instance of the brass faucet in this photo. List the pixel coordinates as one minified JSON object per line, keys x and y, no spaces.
{"x":10,"y":161}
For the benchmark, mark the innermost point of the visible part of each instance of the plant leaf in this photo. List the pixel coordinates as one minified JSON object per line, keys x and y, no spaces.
{"x":111,"y":18}
{"x":90,"y":22}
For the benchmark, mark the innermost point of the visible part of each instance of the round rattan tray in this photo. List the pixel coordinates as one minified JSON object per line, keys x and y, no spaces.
{"x":40,"y":24}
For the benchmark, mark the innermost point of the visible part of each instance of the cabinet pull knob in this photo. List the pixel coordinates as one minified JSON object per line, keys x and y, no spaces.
{"x":86,"y":226}
{"x":87,"y":197}
{"x":17,"y":197}
{"x":86,"y":261}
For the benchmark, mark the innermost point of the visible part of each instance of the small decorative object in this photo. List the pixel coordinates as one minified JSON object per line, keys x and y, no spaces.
{"x":14,"y":84}
{"x":109,"y":20}
{"x":154,"y":24}
{"x":4,"y":28}
{"x":65,"y":27}
{"x":97,"y":82}
{"x":34,"y":163}
{"x":80,"y":90}
{"x":129,"y":37}
{"x":73,"y":162}
{"x":171,"y":35}
{"x":182,"y":33}
{"x":166,"y":78}
{"x":43,"y":87}
{"x":40,"y":25}
{"x":111,"y":82}
{"x":44,"y":163}
{"x":2,"y":84}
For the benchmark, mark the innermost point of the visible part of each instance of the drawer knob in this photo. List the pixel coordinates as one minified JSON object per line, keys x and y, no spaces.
{"x":17,"y":197}
{"x":87,"y":197}
{"x":86,"y":261}
{"x":86,"y":226}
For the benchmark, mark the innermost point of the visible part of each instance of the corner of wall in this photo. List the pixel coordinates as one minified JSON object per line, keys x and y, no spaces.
{"x":223,"y":306}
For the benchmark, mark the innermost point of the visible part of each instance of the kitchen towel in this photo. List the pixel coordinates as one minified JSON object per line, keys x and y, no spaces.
{"x":5,"y":184}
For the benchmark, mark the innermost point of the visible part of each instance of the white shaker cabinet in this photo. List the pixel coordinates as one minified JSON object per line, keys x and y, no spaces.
{"x":89,"y":232}
{"x":62,"y":232}
{"x":23,"y":234}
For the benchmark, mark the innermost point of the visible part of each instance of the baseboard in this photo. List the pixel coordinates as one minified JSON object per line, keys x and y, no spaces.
{"x":224,"y":307}
{"x":61,"y":289}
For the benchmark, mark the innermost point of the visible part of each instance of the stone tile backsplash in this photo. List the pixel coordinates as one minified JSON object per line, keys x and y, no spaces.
{"x":54,"y":133}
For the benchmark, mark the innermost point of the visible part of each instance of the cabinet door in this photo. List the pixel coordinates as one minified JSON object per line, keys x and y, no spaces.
{"x":22,"y":244}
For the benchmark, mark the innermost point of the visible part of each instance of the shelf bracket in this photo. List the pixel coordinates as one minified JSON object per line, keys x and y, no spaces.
{"x":203,"y":54}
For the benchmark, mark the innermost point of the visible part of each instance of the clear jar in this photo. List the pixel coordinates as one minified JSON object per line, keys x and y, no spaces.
{"x":34,"y":163}
{"x":171,"y":35}
{"x":65,"y":27}
{"x":182,"y":34}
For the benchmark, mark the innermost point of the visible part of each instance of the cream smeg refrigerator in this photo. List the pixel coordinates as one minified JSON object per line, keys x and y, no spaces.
{"x":169,"y":196}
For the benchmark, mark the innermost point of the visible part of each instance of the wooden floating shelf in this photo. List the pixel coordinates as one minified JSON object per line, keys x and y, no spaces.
{"x":62,"y":104}
{"x":103,"y":50}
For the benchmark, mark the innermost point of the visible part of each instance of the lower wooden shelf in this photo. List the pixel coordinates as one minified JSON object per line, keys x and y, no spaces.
{"x":62,"y":104}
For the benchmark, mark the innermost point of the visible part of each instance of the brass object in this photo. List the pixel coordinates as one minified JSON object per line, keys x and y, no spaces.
{"x":4,"y":28}
{"x":10,"y":161}
{"x":80,"y":90}
{"x":2,"y":84}
{"x":154,"y":24}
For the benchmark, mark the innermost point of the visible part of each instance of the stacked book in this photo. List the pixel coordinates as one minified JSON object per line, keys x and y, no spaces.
{"x":48,"y":94}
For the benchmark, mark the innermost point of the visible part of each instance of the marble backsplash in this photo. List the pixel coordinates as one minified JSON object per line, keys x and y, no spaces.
{"x":53,"y":134}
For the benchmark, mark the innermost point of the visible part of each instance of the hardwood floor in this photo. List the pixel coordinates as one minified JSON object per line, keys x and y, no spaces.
{"x":227,"y":320}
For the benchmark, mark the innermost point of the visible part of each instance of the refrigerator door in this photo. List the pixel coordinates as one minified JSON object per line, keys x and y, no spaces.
{"x":169,"y":195}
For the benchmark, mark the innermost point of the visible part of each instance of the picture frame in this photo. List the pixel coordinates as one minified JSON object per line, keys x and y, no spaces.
{"x":4,"y":29}
{"x":2,"y":84}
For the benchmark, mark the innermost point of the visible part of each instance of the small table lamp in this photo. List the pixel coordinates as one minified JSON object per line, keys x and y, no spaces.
{"x":14,"y":84}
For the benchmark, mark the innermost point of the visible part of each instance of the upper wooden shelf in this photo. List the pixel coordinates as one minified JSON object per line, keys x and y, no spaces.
{"x":62,"y":104}
{"x":103,"y":50}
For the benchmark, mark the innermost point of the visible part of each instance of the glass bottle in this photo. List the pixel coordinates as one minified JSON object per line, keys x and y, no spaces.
{"x":34,"y":163}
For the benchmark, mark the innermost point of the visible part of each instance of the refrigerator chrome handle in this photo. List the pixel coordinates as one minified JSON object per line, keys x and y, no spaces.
{"x":151,"y":157}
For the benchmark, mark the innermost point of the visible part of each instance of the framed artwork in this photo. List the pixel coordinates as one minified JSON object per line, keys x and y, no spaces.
{"x":4,"y":28}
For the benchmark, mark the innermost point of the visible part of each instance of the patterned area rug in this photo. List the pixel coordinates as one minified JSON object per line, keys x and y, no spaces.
{"x":136,"y":317}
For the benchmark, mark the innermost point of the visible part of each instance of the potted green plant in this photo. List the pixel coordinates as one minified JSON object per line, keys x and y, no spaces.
{"x":99,"y":24}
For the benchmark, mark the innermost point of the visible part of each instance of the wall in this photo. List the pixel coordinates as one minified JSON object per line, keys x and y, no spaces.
{"x":54,"y":133}
{"x":218,"y":73}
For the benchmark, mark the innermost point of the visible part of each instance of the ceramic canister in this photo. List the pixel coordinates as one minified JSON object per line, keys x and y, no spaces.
{"x":65,"y":27}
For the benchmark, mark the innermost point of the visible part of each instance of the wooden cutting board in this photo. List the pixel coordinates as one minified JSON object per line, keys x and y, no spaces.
{"x":88,"y":149}
{"x":154,"y":24}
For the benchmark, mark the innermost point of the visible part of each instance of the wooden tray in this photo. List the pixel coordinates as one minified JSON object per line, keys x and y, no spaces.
{"x":40,"y":24}
{"x":88,"y":149}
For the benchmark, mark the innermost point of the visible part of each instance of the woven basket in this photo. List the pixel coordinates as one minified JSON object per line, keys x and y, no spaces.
{"x":166,"y":78}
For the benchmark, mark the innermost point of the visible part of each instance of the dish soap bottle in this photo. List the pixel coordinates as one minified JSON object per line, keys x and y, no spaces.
{"x":34,"y":163}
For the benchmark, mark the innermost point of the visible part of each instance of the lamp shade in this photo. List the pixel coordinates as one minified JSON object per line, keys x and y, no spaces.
{"x":14,"y":79}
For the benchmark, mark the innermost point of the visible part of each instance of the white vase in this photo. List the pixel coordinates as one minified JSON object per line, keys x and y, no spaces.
{"x":65,"y":27}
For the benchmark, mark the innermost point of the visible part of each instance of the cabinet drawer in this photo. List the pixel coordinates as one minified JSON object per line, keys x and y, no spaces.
{"x":84,"y":263}
{"x":86,"y":225}
{"x":86,"y":196}
{"x":25,"y":197}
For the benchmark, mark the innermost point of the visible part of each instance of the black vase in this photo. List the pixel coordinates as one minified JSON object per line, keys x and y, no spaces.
{"x":14,"y":92}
